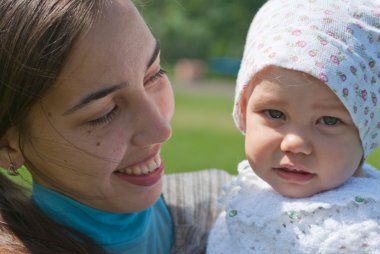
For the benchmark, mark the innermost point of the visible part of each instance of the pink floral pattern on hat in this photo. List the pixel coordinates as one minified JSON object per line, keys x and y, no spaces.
{"x":336,"y":41}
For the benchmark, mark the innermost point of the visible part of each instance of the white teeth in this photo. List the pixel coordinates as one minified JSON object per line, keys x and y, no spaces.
{"x":144,"y":168}
{"x":157,"y":159}
{"x":152,"y":164}
{"x":137,"y":170}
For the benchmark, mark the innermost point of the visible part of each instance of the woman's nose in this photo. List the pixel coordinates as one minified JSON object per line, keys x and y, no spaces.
{"x":152,"y":124}
{"x":296,"y":142}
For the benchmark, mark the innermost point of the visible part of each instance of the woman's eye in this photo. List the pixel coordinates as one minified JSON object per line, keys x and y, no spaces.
{"x":329,"y":120}
{"x":106,"y":118}
{"x":275,"y":114}
{"x":156,"y":76}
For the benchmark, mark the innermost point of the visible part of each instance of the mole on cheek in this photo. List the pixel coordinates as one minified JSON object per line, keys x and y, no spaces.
{"x":98,"y":143}
{"x":49,"y":114}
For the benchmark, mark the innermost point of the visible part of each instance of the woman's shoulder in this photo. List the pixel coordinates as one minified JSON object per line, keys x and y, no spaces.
{"x":192,"y":201}
{"x":9,"y":243}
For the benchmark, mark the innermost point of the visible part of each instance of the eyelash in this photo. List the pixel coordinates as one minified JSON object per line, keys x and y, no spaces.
{"x":106,"y":118}
{"x":156,"y":76}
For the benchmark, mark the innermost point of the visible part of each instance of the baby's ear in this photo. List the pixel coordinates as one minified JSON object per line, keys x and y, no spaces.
{"x":243,"y":112}
{"x":10,"y":151}
{"x":243,"y":103}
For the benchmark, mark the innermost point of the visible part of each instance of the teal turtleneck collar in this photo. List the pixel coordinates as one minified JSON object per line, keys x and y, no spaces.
{"x":148,"y":231}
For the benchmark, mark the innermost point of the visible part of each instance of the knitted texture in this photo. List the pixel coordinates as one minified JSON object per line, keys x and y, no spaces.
{"x":192,"y":201}
{"x":336,"y":41}
{"x":256,"y":219}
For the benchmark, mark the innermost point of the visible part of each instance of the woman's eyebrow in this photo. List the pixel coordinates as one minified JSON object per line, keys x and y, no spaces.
{"x":94,"y":96}
{"x":155,"y":54}
{"x":105,"y":91}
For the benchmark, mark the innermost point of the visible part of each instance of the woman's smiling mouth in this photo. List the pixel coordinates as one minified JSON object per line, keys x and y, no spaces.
{"x":142,"y":168}
{"x":144,"y":174}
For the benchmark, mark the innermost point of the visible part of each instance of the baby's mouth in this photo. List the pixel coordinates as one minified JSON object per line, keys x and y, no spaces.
{"x":294,"y":174}
{"x":297,"y":171}
{"x":143,"y":168}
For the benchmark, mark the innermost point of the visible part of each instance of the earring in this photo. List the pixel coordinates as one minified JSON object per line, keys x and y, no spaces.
{"x":12,"y":169}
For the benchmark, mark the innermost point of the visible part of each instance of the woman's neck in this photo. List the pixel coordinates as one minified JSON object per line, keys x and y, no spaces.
{"x":109,"y":230}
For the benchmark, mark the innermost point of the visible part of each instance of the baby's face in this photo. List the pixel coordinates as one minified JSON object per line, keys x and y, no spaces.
{"x":299,"y":136}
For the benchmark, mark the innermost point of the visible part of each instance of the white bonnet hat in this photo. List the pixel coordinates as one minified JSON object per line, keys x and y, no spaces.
{"x":336,"y":41}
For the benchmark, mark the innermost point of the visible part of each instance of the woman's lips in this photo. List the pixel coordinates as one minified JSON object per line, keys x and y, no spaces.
{"x":144,"y":179}
{"x":293,"y":175}
{"x":144,"y":174}
{"x":145,"y":167}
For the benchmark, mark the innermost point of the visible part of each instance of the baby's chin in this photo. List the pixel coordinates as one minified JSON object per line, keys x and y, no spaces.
{"x":298,"y":193}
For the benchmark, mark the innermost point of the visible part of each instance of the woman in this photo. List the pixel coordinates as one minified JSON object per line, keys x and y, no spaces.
{"x":86,"y":107}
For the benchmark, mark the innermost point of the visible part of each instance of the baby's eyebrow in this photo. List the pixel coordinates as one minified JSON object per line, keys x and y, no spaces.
{"x":328,"y":105}
{"x":268,"y":98}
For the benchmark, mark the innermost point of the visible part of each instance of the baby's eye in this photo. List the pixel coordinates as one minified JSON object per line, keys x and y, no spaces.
{"x":329,"y":120}
{"x":275,"y":114}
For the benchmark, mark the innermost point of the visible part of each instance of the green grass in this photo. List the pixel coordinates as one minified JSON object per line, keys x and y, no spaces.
{"x":204,"y":135}
{"x":374,"y":158}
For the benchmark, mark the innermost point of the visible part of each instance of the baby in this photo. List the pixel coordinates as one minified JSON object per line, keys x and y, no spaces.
{"x":307,"y":100}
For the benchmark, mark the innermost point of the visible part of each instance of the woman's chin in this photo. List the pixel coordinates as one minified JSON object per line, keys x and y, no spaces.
{"x":140,"y":202}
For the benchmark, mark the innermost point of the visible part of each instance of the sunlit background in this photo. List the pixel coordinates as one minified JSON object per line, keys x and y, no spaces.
{"x":202,"y":43}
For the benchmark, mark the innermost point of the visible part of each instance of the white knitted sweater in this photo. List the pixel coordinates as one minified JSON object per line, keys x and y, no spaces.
{"x":256,"y":219}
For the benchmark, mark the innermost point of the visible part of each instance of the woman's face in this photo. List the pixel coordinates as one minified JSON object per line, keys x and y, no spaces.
{"x":97,"y":135}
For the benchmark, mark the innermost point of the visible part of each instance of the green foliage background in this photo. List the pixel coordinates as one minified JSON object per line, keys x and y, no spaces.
{"x":198,"y":28}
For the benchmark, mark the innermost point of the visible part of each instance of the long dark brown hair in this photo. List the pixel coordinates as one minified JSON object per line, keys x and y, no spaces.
{"x":35,"y":40}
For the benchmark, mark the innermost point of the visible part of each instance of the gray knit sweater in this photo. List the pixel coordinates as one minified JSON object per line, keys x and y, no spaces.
{"x":192,"y":200}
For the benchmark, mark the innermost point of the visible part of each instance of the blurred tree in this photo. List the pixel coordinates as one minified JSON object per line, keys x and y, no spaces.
{"x":198,"y":28}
